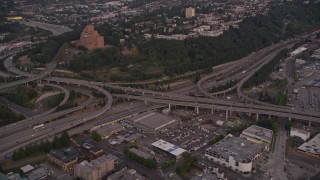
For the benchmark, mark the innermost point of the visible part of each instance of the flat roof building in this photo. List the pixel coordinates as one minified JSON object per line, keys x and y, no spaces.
{"x":11,"y":176}
{"x":301,"y":133}
{"x":125,"y":174}
{"x":171,"y":149}
{"x":140,"y":153}
{"x":65,"y":159}
{"x":40,"y":173}
{"x":95,"y":169}
{"x":109,"y":129}
{"x":258,"y":135}
{"x":132,"y":138}
{"x":151,"y":121}
{"x":312,"y":147}
{"x":27,"y":168}
{"x":235,"y":152}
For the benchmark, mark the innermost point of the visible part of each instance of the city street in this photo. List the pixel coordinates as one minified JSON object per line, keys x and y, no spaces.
{"x":276,"y":165}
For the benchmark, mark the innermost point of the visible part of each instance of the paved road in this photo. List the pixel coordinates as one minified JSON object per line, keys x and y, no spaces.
{"x":27,"y":112}
{"x":277,"y":159}
{"x":5,"y":74}
{"x":266,"y":59}
{"x":289,"y":70}
{"x":244,"y":68}
{"x":10,"y":67}
{"x":55,"y":29}
{"x":72,"y":124}
{"x":234,"y":108}
{"x":50,"y":68}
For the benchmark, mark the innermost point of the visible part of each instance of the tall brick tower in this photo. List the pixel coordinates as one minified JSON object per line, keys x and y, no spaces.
{"x":90,"y":38}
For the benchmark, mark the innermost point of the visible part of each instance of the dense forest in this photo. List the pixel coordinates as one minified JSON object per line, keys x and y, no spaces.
{"x":261,"y":76}
{"x":21,"y":96}
{"x":178,"y":57}
{"x":45,"y":52}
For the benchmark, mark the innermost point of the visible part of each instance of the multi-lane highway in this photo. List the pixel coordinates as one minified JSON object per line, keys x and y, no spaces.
{"x":11,"y":139}
{"x":8,"y":64}
{"x":50,"y":68}
{"x":9,"y":134}
{"x":55,"y":29}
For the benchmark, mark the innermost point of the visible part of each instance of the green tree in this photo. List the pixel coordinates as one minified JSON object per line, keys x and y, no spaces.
{"x":56,"y":143}
{"x":65,"y":139}
{"x":95,"y":136}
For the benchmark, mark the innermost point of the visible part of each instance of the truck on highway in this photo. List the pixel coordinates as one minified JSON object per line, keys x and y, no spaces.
{"x":38,"y":126}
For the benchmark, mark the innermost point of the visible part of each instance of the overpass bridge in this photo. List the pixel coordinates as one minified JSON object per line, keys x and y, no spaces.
{"x":251,"y":109}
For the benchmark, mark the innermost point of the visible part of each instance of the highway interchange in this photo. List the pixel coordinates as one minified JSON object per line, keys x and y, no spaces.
{"x":55,"y":29}
{"x":17,"y":135}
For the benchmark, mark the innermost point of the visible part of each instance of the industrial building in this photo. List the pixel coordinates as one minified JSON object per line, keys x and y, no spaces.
{"x":65,"y":159}
{"x":140,"y":153}
{"x":125,"y":174}
{"x":235,"y":152}
{"x":170,"y":149}
{"x":151,"y":121}
{"x":190,"y":12}
{"x":95,"y":169}
{"x":109,"y":129}
{"x":258,"y":135}
{"x":312,"y":147}
{"x":300,"y":133}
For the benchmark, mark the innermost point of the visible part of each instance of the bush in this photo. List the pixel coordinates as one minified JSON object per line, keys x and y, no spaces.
{"x":95,"y":136}
{"x":43,"y":147}
{"x":189,"y":162}
{"x":149,"y":163}
{"x":216,"y":139}
{"x":168,"y":164}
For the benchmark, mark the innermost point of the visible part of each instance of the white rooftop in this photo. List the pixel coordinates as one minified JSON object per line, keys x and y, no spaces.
{"x":312,"y":146}
{"x":302,"y":131}
{"x":26,"y":168}
{"x":168,"y":147}
{"x":258,"y":133}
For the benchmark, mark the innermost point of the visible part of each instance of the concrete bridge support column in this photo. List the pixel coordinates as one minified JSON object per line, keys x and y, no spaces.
{"x":309,"y":123}
{"x":170,"y":107}
{"x":257,"y":117}
{"x":227,"y":114}
{"x":197,"y":110}
{"x":142,"y":93}
{"x":212,"y":111}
